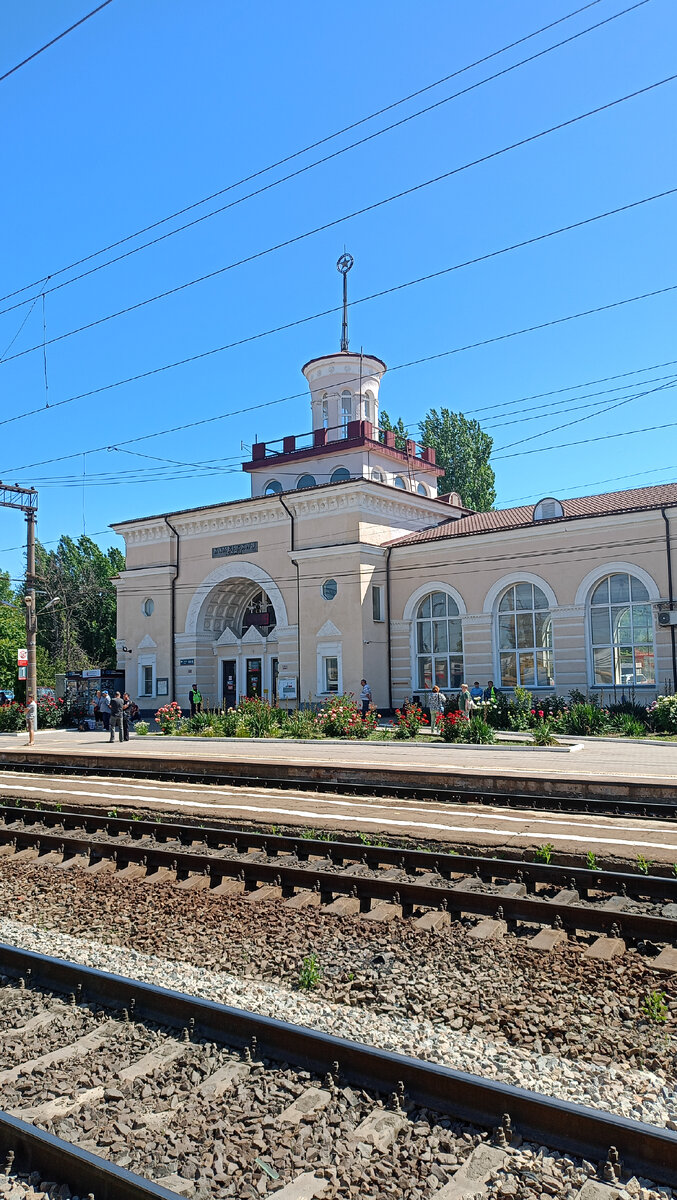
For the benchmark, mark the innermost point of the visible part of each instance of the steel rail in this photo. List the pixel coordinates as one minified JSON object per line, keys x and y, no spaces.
{"x":339,"y":851}
{"x":646,"y":1149}
{"x":36,"y":1150}
{"x":658,"y":801}
{"x":455,"y":899}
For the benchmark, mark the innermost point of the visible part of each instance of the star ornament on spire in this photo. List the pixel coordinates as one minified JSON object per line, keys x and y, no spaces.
{"x":343,"y":265}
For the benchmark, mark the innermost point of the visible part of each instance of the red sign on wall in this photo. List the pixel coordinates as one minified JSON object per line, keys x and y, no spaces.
{"x":21,"y":658}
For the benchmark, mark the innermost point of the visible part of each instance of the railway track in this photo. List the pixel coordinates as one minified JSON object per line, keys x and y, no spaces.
{"x":350,"y":878}
{"x":658,"y":802}
{"x":135,"y":1091}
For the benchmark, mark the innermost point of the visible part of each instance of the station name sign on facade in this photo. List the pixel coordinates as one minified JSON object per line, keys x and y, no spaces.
{"x":240,"y":548}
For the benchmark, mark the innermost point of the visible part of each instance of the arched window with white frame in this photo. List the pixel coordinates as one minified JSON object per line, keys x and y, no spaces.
{"x":524,"y":634}
{"x":621,"y":632}
{"x":325,"y":411}
{"x":439,"y":642}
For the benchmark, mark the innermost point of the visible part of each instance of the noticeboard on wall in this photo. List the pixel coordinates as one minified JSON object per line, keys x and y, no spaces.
{"x":286,"y":687}
{"x":162,"y":687}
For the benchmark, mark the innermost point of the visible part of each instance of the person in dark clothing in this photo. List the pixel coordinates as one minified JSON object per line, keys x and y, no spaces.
{"x":490,"y":692}
{"x":117,"y":717}
{"x":126,"y":714}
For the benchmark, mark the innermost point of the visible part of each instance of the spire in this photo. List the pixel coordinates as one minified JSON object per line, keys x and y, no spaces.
{"x":343,"y":265}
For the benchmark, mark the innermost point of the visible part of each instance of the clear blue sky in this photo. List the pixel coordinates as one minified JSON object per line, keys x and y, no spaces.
{"x":151,"y":106}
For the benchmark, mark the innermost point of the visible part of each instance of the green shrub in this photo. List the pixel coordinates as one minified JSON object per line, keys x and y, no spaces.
{"x":542,"y":734}
{"x":142,"y":728}
{"x":12,"y":717}
{"x":341,"y":716}
{"x":654,"y":1007}
{"x":520,"y":710}
{"x":51,"y":713}
{"x":663,"y":714}
{"x":311,"y":972}
{"x":479,"y":732}
{"x":544,"y":853}
{"x":410,"y":718}
{"x":627,"y":725}
{"x":257,"y":715}
{"x":587,"y":718}
{"x":453,"y":726}
{"x":197,"y":723}
{"x":302,"y":724}
{"x":632,"y":709}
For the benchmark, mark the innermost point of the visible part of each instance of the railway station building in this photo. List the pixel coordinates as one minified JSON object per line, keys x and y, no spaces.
{"x":344,"y":563}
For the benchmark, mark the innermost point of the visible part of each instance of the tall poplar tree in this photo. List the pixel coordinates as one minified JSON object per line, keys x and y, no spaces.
{"x":463,"y":449}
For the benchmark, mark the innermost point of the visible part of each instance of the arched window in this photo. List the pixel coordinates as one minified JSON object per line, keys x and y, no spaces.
{"x":346,"y":410}
{"x":399,"y":482}
{"x":325,"y":411}
{"x":377,"y":475}
{"x":621,"y":630}
{"x":422,"y":489}
{"x":548,"y":509}
{"x":369,"y":410}
{"x":439,"y":643}
{"x":306,"y":481}
{"x":272,"y":487}
{"x":525,"y":637}
{"x":339,"y":475}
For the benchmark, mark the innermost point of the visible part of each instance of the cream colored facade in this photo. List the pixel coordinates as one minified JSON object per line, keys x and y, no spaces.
{"x":305,"y":588}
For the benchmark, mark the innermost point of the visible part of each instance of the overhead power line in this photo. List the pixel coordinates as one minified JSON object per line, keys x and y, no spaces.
{"x":368,"y":208}
{"x":363,"y":300}
{"x":330,"y":137}
{"x":541,"y":237}
{"x":53,"y":42}
{"x":282,"y":400}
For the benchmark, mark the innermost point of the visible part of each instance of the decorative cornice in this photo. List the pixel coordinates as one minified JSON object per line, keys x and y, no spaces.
{"x":408,"y":512}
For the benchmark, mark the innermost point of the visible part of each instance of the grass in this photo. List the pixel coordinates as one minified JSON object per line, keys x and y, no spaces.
{"x":311,"y":973}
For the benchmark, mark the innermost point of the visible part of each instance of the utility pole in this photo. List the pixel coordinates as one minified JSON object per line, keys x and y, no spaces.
{"x":26,"y":499}
{"x":31,"y":613}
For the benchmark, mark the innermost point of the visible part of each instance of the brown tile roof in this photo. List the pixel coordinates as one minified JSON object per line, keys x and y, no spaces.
{"x":632,"y":500}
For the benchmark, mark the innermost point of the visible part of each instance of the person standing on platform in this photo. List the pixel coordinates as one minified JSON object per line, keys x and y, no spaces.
{"x":466,"y":703}
{"x":116,"y":717}
{"x":365,"y":698}
{"x":436,"y":703}
{"x":195,"y":700}
{"x":126,"y":715}
{"x":105,"y":710}
{"x":31,"y":717}
{"x":476,"y":691}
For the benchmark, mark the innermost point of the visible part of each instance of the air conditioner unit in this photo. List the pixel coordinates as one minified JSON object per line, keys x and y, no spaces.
{"x":668,"y":617}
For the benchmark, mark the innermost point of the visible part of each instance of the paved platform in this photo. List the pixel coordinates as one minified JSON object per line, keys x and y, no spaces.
{"x":598,"y":768}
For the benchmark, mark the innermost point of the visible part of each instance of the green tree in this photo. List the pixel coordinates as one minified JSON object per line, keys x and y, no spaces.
{"x":80,"y":630}
{"x":399,"y":429}
{"x":12,"y":631}
{"x":463,"y":449}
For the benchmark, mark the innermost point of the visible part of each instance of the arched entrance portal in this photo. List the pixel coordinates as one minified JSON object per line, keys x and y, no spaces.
{"x":235,"y":617}
{"x":241,"y":619}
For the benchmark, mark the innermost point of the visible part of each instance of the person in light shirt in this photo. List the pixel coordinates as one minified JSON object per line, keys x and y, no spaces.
{"x":31,"y":717}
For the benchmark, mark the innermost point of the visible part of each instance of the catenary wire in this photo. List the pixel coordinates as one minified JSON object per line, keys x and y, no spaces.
{"x":297,"y":395}
{"x":541,"y":237}
{"x":292,"y":241}
{"x":320,"y":142}
{"x":114,"y":479}
{"x":53,"y":42}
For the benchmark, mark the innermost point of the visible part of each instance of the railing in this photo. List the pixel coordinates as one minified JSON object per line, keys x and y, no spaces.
{"x":315,"y":439}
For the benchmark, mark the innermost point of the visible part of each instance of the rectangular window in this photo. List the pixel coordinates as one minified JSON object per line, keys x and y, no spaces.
{"x":331,"y":674}
{"x":147,"y":679}
{"x":377,"y":602}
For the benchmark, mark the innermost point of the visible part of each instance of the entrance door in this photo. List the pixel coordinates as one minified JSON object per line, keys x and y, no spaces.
{"x":229,"y":686}
{"x":274,"y":670}
{"x":253,"y":676}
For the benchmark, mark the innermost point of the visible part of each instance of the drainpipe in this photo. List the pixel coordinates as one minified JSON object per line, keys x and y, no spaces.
{"x":671,"y":595}
{"x":390,"y":655}
{"x":172,"y":614}
{"x":295,"y":563}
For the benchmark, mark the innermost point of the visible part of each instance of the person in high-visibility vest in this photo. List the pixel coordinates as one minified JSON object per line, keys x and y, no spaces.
{"x":195,"y":700}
